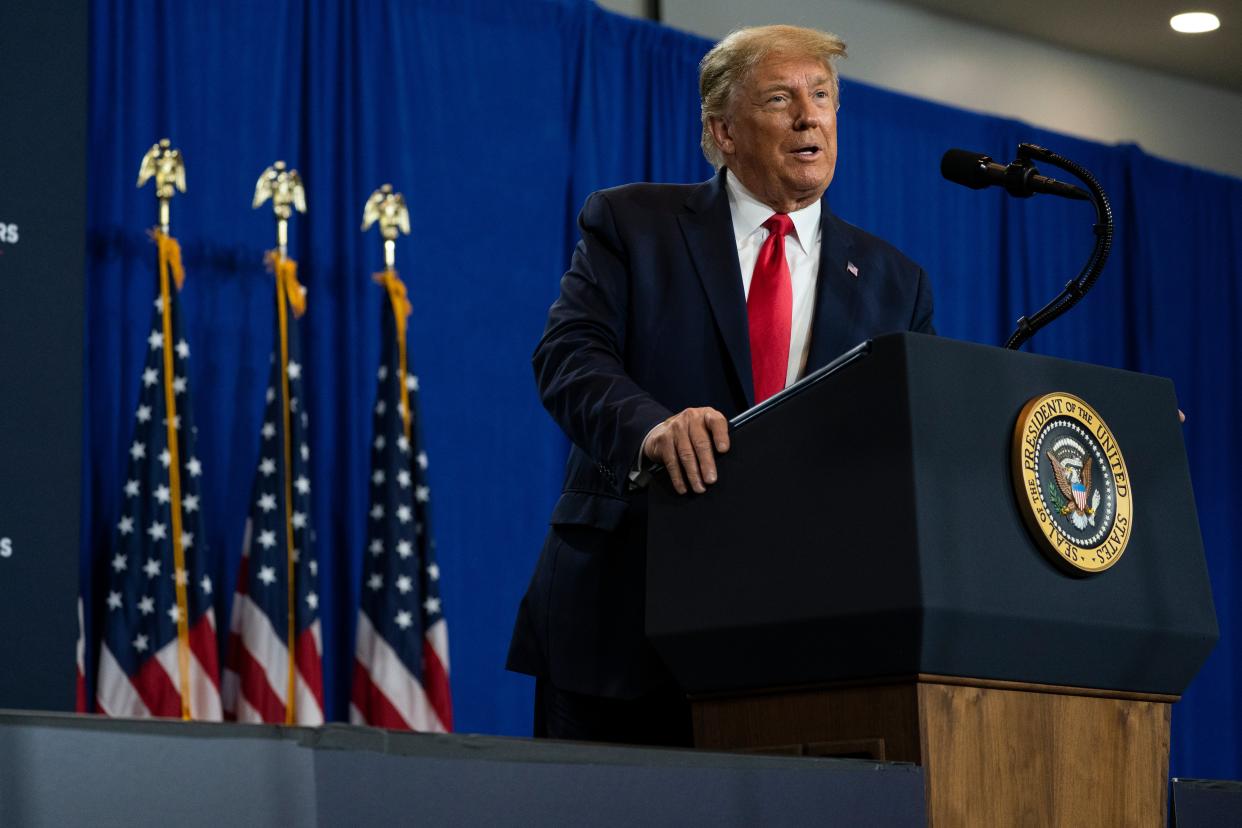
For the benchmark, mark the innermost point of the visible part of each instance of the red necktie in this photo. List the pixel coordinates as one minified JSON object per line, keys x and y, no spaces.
{"x":769,"y":309}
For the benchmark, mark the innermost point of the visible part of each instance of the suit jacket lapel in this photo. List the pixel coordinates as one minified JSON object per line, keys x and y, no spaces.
{"x":837,"y":293}
{"x":708,"y":230}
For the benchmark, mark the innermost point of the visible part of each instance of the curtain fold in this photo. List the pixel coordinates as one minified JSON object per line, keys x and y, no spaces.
{"x":496,"y":119}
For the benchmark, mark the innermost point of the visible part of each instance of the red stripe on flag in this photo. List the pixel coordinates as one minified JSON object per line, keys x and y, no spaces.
{"x":255,"y":689}
{"x":373,"y":704}
{"x":203,"y":645}
{"x":233,"y":653}
{"x":156,"y":689}
{"x":79,"y":704}
{"x":309,"y":663}
{"x":436,"y":686}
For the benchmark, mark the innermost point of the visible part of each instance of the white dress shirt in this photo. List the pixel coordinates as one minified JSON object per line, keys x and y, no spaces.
{"x":801,"y":253}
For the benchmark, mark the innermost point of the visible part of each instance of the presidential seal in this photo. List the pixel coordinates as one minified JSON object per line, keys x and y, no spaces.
{"x":1071,"y":482}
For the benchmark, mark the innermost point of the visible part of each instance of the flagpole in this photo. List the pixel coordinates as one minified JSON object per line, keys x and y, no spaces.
{"x":167,"y":167}
{"x":388,"y":209}
{"x":284,"y":188}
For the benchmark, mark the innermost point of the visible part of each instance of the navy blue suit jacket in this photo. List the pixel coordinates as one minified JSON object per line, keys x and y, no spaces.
{"x":651,"y":320}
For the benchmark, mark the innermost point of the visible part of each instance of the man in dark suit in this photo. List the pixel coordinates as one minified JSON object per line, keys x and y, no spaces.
{"x":683,"y":306}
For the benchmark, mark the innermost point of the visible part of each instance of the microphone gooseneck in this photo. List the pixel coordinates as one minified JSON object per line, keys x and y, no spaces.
{"x":1022,"y":180}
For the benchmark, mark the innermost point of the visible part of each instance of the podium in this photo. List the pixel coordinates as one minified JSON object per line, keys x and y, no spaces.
{"x":861,"y":582}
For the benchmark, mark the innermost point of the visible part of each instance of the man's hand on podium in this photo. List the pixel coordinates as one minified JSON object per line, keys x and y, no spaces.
{"x":683,"y":444}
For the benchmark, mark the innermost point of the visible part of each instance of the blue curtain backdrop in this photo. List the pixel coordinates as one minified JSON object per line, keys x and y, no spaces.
{"x":496,"y":119}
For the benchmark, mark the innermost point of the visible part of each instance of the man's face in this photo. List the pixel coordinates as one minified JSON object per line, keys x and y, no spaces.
{"x":779,"y":134}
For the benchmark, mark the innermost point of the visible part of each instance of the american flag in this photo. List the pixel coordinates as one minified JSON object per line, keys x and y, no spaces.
{"x":158,"y":653}
{"x":278,"y":545}
{"x":401,"y":667}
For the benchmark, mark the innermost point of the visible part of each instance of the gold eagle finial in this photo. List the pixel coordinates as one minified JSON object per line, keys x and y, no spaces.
{"x":166,"y":165}
{"x":283,"y":187}
{"x":388,"y":208}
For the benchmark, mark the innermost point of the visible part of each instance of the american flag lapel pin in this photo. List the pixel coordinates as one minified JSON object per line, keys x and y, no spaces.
{"x":852,"y":268}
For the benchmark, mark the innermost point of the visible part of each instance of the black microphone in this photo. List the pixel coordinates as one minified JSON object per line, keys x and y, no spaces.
{"x":977,"y":171}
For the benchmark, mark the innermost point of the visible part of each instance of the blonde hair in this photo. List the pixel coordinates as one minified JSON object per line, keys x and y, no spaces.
{"x":728,"y":65}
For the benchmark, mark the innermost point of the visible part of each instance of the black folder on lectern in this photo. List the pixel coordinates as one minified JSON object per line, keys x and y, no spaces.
{"x":865,"y":525}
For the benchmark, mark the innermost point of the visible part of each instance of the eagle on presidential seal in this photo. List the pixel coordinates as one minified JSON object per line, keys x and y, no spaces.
{"x":1071,"y":466}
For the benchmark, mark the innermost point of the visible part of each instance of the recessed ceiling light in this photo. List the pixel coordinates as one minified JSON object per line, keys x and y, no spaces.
{"x":1194,"y":22}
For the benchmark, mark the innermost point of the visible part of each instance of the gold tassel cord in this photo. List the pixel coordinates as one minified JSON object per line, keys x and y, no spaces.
{"x":170,"y":266}
{"x":401,"y":309}
{"x":288,"y":289}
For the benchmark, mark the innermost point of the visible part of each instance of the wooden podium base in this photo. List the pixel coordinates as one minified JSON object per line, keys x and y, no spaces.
{"x":993,"y":752}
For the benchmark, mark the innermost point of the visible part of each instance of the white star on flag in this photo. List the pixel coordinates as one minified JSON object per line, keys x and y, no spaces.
{"x":377,"y":512}
{"x":432,"y":605}
{"x":267,"y":575}
{"x":155,"y":340}
{"x":422,"y":493}
{"x":178,"y":385}
{"x":161,"y":493}
{"x":137,"y":450}
{"x":174,"y":613}
{"x":312,"y":600}
{"x":140,"y":643}
{"x":165,"y":458}
{"x":378,"y":477}
{"x":190,"y":503}
{"x":422,"y":460}
{"x":124,"y":527}
{"x":379,"y":442}
{"x":411,"y":382}
{"x":295,"y":370}
{"x":187,"y":540}
{"x":380,"y":407}
{"x":147,"y":605}
{"x":299,"y":520}
{"x":403,"y":444}
{"x":267,"y":467}
{"x":268,"y":431}
{"x":119,"y":563}
{"x":194,"y":467}
{"x":267,"y":539}
{"x":267,"y":502}
{"x":404,"y":619}
{"x":305,"y":452}
{"x":206,"y":585}
{"x":376,"y":547}
{"x":114,"y":600}
{"x":405,"y":549}
{"x":149,"y":377}
{"x":144,"y":413}
{"x":433,"y":571}
{"x":376,"y":581}
{"x":302,"y":485}
{"x":132,"y":488}
{"x":403,"y":513}
{"x":183,"y":349}
{"x":152,"y":567}
{"x":403,"y":477}
{"x":156,"y":531}
{"x":381,"y":373}
{"x":271,"y":394}
{"x":404,"y":584}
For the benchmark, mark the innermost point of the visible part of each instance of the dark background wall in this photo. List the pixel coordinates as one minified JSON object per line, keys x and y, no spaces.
{"x":42,"y":244}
